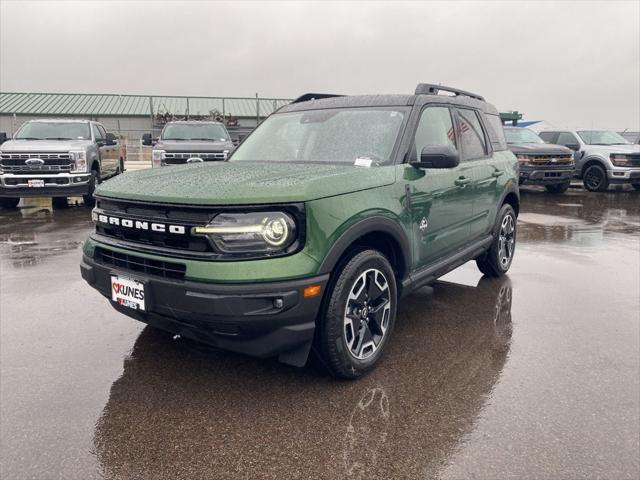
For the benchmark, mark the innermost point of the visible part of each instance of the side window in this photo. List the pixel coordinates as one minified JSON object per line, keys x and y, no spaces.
{"x":103,"y":133}
{"x":566,"y":138}
{"x":96,"y":133}
{"x":549,"y":137}
{"x":472,"y":139}
{"x":434,"y":128}
{"x":495,"y":131}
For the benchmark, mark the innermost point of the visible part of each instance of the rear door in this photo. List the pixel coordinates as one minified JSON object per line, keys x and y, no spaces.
{"x":440,"y":205}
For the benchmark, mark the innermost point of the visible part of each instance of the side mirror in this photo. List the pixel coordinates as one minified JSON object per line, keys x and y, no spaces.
{"x":147,"y":139}
{"x":110,"y":139}
{"x":3,"y":137}
{"x":438,"y":156}
{"x":573,"y":146}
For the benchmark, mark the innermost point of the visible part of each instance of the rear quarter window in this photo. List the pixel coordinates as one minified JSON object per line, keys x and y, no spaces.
{"x":495,"y":131}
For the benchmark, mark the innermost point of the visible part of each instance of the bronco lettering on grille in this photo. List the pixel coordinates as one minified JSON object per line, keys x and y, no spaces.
{"x":142,"y":225}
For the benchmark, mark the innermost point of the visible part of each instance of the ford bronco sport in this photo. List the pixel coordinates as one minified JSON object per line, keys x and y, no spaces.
{"x":550,"y":166}
{"x":58,"y":159}
{"x":190,"y":142}
{"x":329,"y":212}
{"x":602,"y":157}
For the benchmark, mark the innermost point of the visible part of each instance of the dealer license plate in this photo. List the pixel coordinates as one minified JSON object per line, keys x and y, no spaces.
{"x":36,"y":183}
{"x":127,"y":292}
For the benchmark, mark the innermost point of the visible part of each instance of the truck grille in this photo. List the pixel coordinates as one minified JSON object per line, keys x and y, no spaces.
{"x":175,"y":158}
{"x":634,"y":159}
{"x":53,"y":162}
{"x":134,"y":263}
{"x":548,"y":159}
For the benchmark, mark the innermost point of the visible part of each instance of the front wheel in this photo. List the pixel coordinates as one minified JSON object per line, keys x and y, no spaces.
{"x":59,"y":202}
{"x":6,"y":202}
{"x":558,"y":187}
{"x":496,"y":261}
{"x":89,"y":201}
{"x":359,"y":316}
{"x":595,"y":179}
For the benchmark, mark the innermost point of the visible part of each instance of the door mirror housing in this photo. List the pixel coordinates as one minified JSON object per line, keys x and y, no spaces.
{"x":573,"y":146}
{"x":438,"y":156}
{"x":147,"y":139}
{"x":110,"y":139}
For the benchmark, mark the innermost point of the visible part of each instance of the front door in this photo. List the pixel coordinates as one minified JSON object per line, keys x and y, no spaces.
{"x":108,"y":153}
{"x":441,"y":200}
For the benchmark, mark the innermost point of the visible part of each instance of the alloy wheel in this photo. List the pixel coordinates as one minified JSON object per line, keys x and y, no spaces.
{"x":507,"y":240}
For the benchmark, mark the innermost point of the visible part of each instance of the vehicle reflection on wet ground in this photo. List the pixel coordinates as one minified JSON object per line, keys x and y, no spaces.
{"x":534,"y":375}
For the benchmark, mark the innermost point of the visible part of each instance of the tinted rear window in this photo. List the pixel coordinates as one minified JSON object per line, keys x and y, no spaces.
{"x":495,"y":131}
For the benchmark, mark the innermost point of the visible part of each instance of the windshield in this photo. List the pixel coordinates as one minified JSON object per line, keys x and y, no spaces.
{"x":601,"y":137}
{"x":521,"y":135}
{"x":54,"y":131}
{"x":353,"y":136}
{"x":194,"y":131}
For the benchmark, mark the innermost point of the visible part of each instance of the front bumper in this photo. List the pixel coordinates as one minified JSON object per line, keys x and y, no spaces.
{"x":545,"y":175}
{"x":624,"y":175}
{"x":245,"y":318}
{"x":55,"y":185}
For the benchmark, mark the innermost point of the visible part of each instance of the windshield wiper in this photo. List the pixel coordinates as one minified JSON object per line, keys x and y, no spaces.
{"x":208,"y":139}
{"x":57,"y":138}
{"x":179,"y":139}
{"x":28,"y":138}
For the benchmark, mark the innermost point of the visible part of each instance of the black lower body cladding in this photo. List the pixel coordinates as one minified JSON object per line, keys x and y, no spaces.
{"x":260,"y":319}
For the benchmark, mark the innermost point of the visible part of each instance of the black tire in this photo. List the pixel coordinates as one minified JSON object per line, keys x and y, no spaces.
{"x":558,"y":187}
{"x":595,"y":178}
{"x":348,"y":353}
{"x":636,"y":186}
{"x":59,"y":202}
{"x":496,"y":261}
{"x":89,"y":201}
{"x":121,"y":166}
{"x":6,"y":202}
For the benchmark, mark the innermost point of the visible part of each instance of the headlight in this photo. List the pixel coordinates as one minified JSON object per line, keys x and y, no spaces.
{"x":251,"y":233}
{"x":522,"y":159}
{"x":157,"y":156}
{"x":619,"y":160}
{"x":79,"y":158}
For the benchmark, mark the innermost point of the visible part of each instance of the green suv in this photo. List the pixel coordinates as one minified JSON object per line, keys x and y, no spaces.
{"x":321,"y":220}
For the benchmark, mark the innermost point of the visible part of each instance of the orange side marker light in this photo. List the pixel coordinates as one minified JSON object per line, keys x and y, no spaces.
{"x":312,"y":291}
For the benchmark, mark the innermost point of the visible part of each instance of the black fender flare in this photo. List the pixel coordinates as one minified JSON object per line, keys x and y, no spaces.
{"x":373,"y":224}
{"x":591,"y":160}
{"x":511,"y":188}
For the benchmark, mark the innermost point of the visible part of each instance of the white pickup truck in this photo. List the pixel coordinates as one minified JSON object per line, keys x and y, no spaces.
{"x":58,"y":159}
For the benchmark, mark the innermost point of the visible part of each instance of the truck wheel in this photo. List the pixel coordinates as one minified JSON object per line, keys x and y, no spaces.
{"x":359,"y":315}
{"x":496,"y":261}
{"x":558,"y":187}
{"x":89,"y":201}
{"x":636,"y":186}
{"x":9,"y":202}
{"x":595,"y":179}
{"x":59,"y":202}
{"x":121,"y":166}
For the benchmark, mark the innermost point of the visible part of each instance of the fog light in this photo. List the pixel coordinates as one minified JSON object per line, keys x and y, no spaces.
{"x":278,"y":303}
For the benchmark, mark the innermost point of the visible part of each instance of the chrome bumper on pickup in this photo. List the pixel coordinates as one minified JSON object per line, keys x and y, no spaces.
{"x":35,"y":185}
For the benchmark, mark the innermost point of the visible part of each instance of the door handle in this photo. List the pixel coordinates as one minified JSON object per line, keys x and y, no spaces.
{"x":462,"y":181}
{"x":497,"y":173}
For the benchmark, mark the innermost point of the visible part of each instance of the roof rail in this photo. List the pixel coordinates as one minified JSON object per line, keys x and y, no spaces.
{"x":431,"y":89}
{"x":314,"y":96}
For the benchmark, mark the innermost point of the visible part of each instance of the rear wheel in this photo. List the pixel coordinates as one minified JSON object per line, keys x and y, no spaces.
{"x":497,"y":260}
{"x":59,"y":202}
{"x":636,"y":186}
{"x":359,"y":315}
{"x":558,"y":187}
{"x":121,"y":166}
{"x":595,"y":179}
{"x":9,"y":202}
{"x":89,"y":201}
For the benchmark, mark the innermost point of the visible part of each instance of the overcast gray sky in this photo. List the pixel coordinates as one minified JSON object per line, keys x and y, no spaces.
{"x":571,"y":63}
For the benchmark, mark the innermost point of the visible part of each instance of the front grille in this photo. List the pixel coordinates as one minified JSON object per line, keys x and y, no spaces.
{"x":634,"y":159}
{"x":53,"y":162}
{"x":174,"y":158}
{"x":182,"y":216}
{"x":133,"y":263}
{"x":547,"y":159}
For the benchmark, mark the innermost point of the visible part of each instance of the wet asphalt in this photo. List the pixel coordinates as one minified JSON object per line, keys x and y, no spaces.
{"x":535,"y":375}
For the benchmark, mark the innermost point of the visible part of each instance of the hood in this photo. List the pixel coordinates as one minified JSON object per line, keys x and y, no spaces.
{"x":44,"y":145}
{"x":243,"y":183}
{"x":539,"y":149}
{"x":192,"y":146}
{"x":613,"y":148}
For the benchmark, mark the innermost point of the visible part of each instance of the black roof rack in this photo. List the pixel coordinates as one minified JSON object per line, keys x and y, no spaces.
{"x":314,"y":96}
{"x":431,"y":89}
